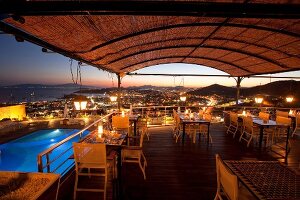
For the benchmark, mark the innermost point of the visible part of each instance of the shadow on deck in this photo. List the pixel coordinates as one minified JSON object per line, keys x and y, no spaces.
{"x":177,"y":171}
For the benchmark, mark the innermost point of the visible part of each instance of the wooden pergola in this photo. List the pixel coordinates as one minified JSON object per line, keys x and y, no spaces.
{"x":241,"y":38}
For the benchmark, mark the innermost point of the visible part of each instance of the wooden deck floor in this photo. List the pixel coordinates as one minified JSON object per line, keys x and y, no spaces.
{"x":177,"y":171}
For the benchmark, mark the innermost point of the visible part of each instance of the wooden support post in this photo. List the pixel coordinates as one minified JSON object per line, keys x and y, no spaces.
{"x":238,"y":87}
{"x":119,"y":92}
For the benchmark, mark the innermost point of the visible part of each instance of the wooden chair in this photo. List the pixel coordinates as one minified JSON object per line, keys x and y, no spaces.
{"x":121,"y":123}
{"x":234,"y":124}
{"x":142,"y":126}
{"x":264,"y":116}
{"x":202,"y":129}
{"x":90,"y":160}
{"x":178,"y":128}
{"x":227,"y":184}
{"x":200,"y":114}
{"x":297,"y":125}
{"x":174,"y":127}
{"x":249,"y":131}
{"x":281,"y":132}
{"x":281,"y":113}
{"x":134,"y":154}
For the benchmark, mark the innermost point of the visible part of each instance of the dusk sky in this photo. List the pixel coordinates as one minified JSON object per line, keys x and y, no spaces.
{"x":23,"y":62}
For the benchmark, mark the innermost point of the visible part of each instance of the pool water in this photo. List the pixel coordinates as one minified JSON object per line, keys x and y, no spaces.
{"x":21,"y":154}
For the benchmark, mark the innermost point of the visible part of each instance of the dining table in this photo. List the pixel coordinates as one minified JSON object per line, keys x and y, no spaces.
{"x":266,"y":180}
{"x":262,"y":124}
{"x":114,"y":140}
{"x":185,"y":119}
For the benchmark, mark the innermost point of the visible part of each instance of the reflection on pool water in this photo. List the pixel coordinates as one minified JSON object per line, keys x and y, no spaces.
{"x":21,"y":154}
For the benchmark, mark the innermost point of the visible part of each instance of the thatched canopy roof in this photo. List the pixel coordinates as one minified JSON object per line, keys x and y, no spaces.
{"x":256,"y":43}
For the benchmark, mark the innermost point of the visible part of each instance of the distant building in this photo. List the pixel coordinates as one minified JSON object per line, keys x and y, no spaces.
{"x":13,"y":112}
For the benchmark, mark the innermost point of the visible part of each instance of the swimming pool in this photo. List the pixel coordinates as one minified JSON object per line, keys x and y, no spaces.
{"x":21,"y":154}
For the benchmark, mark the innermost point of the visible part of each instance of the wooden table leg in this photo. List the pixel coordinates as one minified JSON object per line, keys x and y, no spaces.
{"x":261,"y":134}
{"x":134,"y":128}
{"x":183,"y":132}
{"x":208,"y":125}
{"x":287,"y":144}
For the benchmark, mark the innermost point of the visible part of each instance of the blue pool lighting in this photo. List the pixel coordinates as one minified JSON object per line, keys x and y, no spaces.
{"x":21,"y":154}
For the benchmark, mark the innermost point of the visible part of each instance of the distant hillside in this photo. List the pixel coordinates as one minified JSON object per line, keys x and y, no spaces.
{"x":277,"y":88}
{"x":215,"y":89}
{"x":96,"y":91}
{"x":143,"y":89}
{"x":151,"y":87}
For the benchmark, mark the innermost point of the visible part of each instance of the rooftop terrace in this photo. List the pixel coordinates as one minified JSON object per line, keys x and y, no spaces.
{"x":177,"y":171}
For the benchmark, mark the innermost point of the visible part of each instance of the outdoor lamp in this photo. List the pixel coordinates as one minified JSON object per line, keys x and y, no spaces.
{"x":259,"y":99}
{"x":289,"y":99}
{"x":182,"y":98}
{"x":113,"y":98}
{"x":80,"y":102}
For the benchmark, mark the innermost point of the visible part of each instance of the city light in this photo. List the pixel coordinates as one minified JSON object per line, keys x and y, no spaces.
{"x":182,"y":98}
{"x":113,"y":98}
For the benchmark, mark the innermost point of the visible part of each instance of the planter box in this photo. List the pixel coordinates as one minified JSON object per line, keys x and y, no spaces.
{"x":19,"y":185}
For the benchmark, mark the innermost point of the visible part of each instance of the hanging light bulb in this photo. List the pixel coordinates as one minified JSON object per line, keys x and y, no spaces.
{"x":289,"y":99}
{"x":259,"y":99}
{"x":80,"y":102}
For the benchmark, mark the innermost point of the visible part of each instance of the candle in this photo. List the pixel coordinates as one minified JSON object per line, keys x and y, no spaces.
{"x":123,"y":113}
{"x":244,"y":113}
{"x":291,"y":112}
{"x":100,"y":130}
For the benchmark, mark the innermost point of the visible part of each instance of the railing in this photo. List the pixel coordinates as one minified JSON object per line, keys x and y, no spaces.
{"x":62,"y":159}
{"x":163,"y":115}
{"x":156,"y":115}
